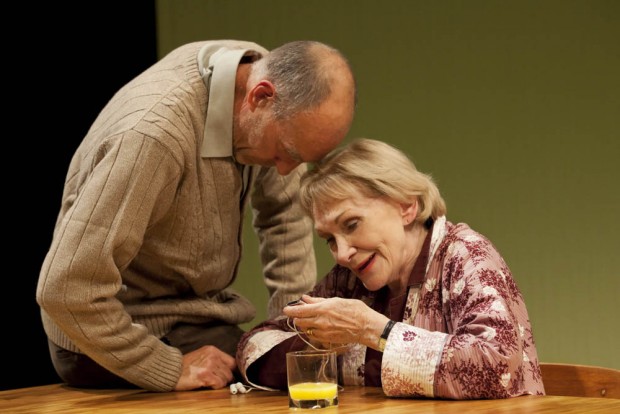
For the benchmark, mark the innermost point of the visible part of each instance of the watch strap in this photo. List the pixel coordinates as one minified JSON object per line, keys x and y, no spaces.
{"x":385,"y":334}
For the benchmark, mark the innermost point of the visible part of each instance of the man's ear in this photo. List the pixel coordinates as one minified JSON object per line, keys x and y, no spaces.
{"x":262,"y":94}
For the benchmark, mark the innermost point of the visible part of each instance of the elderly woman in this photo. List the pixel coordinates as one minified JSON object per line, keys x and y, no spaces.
{"x":417,"y":305}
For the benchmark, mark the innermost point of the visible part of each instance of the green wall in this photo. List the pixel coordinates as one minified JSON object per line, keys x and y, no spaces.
{"x":514,"y":108}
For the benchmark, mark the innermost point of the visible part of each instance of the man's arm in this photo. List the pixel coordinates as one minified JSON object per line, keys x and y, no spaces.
{"x":285,"y":237}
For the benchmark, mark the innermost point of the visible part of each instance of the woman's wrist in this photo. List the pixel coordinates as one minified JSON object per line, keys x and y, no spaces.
{"x":384,"y":335}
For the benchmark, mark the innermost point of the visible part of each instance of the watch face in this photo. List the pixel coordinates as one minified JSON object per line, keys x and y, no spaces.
{"x":382,"y":342}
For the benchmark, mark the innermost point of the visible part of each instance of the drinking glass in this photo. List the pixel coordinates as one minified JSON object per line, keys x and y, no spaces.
{"x":312,"y":379}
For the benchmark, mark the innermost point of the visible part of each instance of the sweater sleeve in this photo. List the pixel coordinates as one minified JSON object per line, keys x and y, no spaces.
{"x":285,"y":237}
{"x":129,"y":186}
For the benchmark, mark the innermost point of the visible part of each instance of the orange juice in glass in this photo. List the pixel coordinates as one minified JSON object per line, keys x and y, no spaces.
{"x":312,"y":379}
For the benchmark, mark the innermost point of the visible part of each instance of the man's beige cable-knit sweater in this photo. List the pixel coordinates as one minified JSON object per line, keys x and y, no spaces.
{"x":149,"y":233}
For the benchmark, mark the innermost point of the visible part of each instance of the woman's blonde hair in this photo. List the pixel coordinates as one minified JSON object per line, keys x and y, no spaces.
{"x":373,"y":169}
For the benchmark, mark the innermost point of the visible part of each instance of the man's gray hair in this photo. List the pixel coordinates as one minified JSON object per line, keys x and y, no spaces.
{"x":303,"y":73}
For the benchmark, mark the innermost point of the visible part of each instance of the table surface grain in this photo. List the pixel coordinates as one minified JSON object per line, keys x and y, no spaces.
{"x":58,"y":398}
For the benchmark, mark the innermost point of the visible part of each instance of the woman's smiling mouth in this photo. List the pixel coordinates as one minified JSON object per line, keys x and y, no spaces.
{"x":366,"y":264}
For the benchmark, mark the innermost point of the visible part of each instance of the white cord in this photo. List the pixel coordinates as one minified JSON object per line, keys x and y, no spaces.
{"x":293,"y":327}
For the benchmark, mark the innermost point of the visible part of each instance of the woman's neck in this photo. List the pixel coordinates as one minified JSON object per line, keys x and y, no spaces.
{"x":415,"y":240}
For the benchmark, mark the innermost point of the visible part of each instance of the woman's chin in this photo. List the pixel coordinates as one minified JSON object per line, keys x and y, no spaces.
{"x":372,"y":286}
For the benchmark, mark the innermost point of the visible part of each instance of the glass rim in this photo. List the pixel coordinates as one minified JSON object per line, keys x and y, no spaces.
{"x":310,"y":352}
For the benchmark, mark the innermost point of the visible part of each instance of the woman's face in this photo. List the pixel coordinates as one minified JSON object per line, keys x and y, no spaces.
{"x":368,"y":236}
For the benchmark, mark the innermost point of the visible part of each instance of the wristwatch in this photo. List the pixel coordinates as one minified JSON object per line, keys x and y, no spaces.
{"x":385,"y":334}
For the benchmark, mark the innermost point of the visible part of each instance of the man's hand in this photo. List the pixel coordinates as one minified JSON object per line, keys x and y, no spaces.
{"x":206,"y":367}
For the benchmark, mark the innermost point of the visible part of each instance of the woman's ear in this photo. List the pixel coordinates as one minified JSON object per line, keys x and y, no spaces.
{"x":261,"y":94}
{"x":409,"y":212}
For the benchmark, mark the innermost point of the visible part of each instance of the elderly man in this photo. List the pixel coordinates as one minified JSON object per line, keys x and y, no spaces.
{"x":134,"y":290}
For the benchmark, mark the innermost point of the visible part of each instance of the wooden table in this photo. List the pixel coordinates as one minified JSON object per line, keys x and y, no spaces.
{"x":58,"y":398}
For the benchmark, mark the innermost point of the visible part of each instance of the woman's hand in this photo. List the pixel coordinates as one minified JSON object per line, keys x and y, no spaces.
{"x":334,"y":321}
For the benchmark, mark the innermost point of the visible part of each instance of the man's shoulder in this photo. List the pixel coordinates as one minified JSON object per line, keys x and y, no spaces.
{"x":212,"y":46}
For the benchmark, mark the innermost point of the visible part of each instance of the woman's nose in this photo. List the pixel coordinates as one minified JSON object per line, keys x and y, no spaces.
{"x":344,"y":253}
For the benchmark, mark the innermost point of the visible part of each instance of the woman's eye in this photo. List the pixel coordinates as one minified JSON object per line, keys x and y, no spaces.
{"x":352,"y":225}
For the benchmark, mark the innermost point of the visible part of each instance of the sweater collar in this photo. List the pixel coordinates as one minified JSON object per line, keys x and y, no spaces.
{"x":219,"y":72}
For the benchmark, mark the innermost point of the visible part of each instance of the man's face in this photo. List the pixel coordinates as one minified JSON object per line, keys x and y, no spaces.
{"x":261,"y":139}
{"x":266,"y":143}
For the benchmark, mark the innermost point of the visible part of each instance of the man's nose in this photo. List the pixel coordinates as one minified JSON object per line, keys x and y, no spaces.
{"x":284,"y":168}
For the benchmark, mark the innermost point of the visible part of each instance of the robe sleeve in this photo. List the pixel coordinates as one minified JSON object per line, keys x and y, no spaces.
{"x":483,"y":355}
